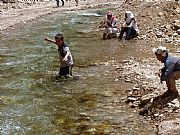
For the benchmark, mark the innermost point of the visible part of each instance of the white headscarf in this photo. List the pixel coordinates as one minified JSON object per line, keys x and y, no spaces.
{"x":130,"y":15}
{"x":160,"y":50}
{"x":129,"y":21}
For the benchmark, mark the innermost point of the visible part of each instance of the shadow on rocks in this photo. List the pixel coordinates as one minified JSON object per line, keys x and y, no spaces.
{"x":158,"y":103}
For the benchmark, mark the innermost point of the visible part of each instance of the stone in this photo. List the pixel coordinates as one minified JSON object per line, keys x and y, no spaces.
{"x":178,"y":31}
{"x":175,"y":34}
{"x":131,"y":99}
{"x":176,"y":24}
{"x":159,"y":34}
{"x":160,"y":14}
{"x":169,"y":127}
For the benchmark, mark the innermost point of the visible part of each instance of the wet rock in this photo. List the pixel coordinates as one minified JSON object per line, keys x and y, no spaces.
{"x":83,"y":114}
{"x":91,"y":131}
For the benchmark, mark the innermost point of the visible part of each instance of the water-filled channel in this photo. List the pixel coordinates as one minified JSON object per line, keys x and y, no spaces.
{"x":33,"y":101}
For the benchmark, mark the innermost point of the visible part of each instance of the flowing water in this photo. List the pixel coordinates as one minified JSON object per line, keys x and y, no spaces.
{"x":33,"y":101}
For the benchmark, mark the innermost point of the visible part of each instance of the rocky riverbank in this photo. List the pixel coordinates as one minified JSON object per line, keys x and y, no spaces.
{"x":12,"y":14}
{"x":160,"y":22}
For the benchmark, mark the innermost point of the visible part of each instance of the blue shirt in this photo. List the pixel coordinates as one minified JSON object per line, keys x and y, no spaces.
{"x":171,"y":64}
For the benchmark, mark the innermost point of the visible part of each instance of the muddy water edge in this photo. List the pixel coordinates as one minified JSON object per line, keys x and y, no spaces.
{"x":34,"y":101}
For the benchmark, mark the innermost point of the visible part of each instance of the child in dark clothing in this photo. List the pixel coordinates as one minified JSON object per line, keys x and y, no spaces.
{"x":65,"y":57}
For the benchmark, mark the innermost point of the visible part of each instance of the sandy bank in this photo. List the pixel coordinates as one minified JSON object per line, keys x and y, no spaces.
{"x":12,"y":14}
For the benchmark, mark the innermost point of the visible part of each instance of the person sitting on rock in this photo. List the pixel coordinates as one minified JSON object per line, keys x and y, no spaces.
{"x":110,"y":26}
{"x":129,"y":27}
{"x":171,"y":70}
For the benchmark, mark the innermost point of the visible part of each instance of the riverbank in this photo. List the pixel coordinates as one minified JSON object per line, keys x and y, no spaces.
{"x":164,"y":16}
{"x":20,"y":13}
{"x":159,"y":22}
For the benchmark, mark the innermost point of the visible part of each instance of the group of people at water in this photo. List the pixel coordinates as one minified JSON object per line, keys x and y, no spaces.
{"x":129,"y":30}
{"x":169,"y":73}
{"x":171,"y":70}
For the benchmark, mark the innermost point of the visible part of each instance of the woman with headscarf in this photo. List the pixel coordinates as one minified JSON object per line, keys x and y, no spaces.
{"x":171,"y":70}
{"x":110,"y":26}
{"x":130,"y":26}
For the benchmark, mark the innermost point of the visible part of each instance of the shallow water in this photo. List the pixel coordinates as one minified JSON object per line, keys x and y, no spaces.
{"x":33,"y":101}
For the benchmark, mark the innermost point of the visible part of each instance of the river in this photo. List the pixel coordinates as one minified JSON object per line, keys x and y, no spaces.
{"x":34,"y":101}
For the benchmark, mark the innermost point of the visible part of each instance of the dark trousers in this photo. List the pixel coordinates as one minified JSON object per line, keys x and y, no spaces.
{"x":130,"y":33}
{"x":65,"y":71}
{"x":58,"y":2}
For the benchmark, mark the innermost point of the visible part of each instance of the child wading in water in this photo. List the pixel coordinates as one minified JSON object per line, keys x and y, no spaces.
{"x":65,"y":57}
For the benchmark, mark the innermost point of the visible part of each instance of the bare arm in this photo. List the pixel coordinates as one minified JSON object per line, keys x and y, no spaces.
{"x":49,"y":40}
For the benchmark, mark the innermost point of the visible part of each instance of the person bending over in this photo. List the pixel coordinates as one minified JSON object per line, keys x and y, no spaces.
{"x":171,"y":70}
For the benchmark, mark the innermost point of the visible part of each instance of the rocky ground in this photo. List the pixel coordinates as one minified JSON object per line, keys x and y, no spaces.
{"x":158,"y":21}
{"x":20,"y":13}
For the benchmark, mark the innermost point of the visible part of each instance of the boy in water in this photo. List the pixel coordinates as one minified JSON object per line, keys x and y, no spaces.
{"x":65,"y":57}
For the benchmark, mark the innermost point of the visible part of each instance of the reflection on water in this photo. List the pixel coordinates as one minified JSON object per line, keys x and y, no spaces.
{"x":33,"y":101}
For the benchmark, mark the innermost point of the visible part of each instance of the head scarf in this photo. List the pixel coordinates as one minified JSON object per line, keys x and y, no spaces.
{"x":130,"y":15}
{"x":160,"y":50}
{"x":109,"y":13}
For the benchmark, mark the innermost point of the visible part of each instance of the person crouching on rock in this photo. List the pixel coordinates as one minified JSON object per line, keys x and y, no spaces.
{"x":171,"y":70}
{"x":110,"y":26}
{"x":65,"y":57}
{"x":129,"y":27}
